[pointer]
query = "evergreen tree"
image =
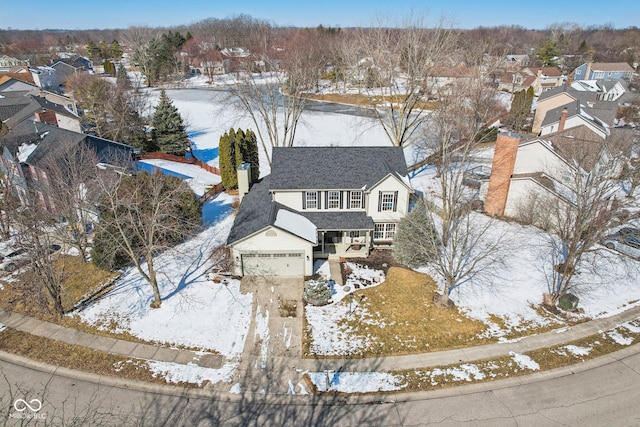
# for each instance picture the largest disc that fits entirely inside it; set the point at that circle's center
(410, 245)
(252, 154)
(169, 133)
(238, 147)
(226, 158)
(547, 53)
(92, 50)
(115, 51)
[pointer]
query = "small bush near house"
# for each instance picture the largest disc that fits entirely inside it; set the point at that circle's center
(317, 292)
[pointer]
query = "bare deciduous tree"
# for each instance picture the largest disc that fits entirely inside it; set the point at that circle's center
(274, 97)
(140, 216)
(581, 213)
(393, 66)
(461, 249)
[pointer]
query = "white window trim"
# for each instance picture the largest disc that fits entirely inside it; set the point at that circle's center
(387, 232)
(387, 206)
(314, 200)
(331, 200)
(356, 203)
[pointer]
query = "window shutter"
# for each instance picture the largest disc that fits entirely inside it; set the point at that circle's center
(395, 201)
(348, 206)
(304, 200)
(341, 199)
(326, 200)
(379, 201)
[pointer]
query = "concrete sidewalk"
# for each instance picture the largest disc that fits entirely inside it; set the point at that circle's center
(288, 357)
(120, 347)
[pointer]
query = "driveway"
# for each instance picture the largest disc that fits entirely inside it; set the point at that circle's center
(274, 341)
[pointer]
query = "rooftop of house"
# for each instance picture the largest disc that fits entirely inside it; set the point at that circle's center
(601, 118)
(323, 168)
(611, 66)
(49, 139)
(30, 104)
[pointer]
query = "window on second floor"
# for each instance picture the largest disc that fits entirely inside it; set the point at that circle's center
(387, 201)
(356, 200)
(333, 200)
(311, 200)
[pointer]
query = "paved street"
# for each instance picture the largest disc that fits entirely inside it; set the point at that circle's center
(602, 392)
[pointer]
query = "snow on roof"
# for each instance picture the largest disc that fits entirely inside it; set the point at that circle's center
(25, 150)
(296, 224)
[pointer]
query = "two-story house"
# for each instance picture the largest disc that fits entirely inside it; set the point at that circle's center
(603, 70)
(318, 202)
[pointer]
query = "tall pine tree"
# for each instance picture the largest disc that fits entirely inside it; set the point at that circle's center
(169, 132)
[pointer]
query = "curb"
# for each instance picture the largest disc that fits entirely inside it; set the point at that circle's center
(360, 399)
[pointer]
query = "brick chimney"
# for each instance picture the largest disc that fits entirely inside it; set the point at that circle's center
(46, 116)
(504, 160)
(563, 120)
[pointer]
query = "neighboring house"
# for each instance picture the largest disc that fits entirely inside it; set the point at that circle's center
(27, 148)
(541, 79)
(516, 62)
(593, 106)
(607, 89)
(16, 109)
(8, 62)
(44, 77)
(577, 114)
(442, 79)
(67, 67)
(11, 87)
(318, 202)
(603, 70)
(523, 172)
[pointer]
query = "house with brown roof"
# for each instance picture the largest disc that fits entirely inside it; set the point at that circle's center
(541, 79)
(603, 70)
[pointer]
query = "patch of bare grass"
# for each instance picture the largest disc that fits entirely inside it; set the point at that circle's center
(363, 100)
(75, 357)
(401, 317)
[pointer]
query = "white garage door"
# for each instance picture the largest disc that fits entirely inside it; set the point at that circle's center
(272, 264)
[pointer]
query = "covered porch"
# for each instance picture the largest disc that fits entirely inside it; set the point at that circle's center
(344, 243)
(340, 233)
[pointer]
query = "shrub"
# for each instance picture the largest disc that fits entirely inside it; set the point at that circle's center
(317, 292)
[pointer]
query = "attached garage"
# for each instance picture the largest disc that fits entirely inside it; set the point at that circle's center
(273, 264)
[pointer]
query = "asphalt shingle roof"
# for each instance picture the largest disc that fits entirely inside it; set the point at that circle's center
(323, 168)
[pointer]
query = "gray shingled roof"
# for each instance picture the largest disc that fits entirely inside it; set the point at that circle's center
(574, 109)
(318, 168)
(258, 211)
(582, 96)
(323, 168)
(339, 220)
(255, 213)
(54, 138)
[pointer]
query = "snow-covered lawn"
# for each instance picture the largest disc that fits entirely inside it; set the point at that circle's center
(195, 311)
(198, 179)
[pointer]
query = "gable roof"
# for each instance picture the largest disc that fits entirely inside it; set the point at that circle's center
(30, 105)
(324, 168)
(611, 66)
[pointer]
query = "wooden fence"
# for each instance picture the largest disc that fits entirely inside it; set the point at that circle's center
(218, 188)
